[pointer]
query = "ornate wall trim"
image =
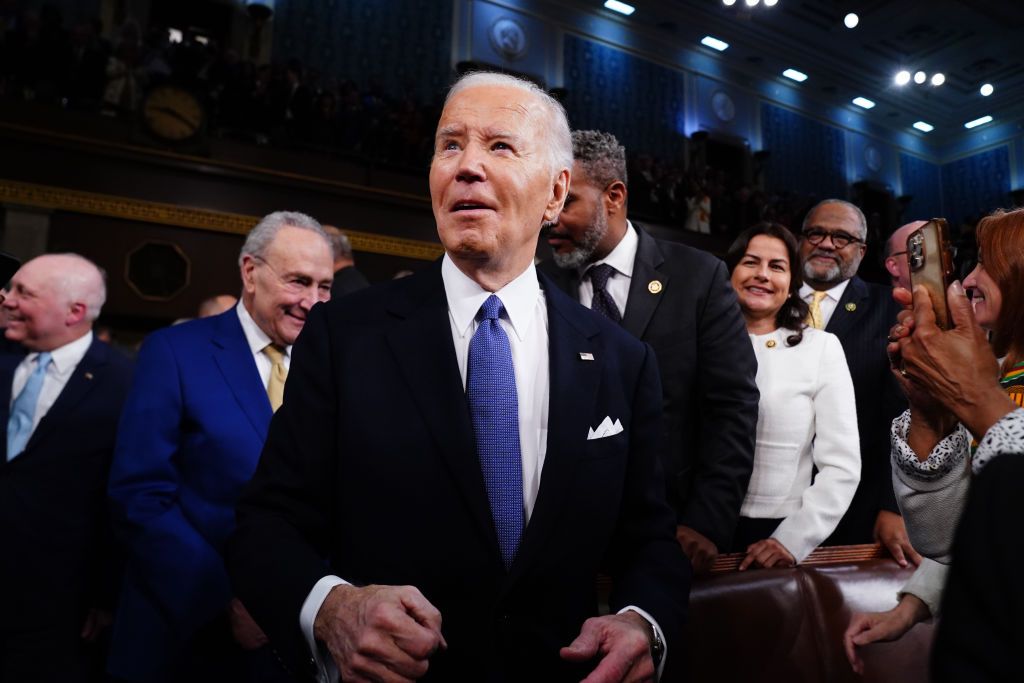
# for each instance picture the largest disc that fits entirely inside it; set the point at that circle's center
(77, 201)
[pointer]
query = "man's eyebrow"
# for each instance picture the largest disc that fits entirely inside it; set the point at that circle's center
(449, 130)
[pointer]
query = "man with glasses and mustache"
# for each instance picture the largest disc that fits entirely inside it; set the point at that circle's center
(832, 244)
(191, 433)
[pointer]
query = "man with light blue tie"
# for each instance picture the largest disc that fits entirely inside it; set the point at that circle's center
(63, 400)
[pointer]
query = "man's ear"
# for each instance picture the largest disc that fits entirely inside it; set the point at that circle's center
(76, 311)
(248, 273)
(615, 198)
(559, 190)
(890, 265)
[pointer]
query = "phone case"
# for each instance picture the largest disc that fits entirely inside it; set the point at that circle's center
(930, 255)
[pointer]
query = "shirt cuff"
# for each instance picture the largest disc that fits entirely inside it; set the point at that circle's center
(657, 631)
(326, 671)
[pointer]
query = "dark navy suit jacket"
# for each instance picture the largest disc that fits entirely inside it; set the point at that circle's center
(370, 472)
(190, 436)
(56, 558)
(694, 323)
(862, 320)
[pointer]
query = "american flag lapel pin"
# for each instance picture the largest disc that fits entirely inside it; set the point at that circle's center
(585, 355)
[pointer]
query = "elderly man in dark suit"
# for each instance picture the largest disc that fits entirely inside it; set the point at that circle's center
(61, 404)
(679, 300)
(462, 451)
(832, 244)
(193, 427)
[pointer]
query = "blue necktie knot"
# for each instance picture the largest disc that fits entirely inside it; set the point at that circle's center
(23, 410)
(494, 409)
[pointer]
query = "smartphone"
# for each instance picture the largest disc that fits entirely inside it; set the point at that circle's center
(930, 255)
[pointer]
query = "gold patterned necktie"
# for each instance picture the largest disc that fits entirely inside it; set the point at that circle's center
(278, 375)
(814, 318)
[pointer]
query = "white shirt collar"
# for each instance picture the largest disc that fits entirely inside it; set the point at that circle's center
(835, 293)
(256, 337)
(620, 258)
(465, 297)
(68, 356)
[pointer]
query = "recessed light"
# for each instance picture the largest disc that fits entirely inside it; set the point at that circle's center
(938, 79)
(903, 77)
(978, 122)
(851, 20)
(920, 77)
(714, 43)
(863, 102)
(798, 76)
(728, 3)
(771, 3)
(924, 127)
(751, 3)
(986, 90)
(620, 7)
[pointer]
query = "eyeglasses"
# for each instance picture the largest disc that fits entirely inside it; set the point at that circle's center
(839, 238)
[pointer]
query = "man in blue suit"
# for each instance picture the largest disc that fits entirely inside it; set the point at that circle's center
(462, 451)
(59, 407)
(192, 430)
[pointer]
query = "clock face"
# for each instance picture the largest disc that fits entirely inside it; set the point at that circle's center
(173, 113)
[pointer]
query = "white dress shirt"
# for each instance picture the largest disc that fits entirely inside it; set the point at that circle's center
(65, 359)
(258, 341)
(621, 259)
(526, 324)
(829, 303)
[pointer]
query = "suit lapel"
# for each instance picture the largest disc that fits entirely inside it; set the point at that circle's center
(424, 352)
(80, 384)
(233, 357)
(574, 385)
(643, 299)
(849, 310)
(8, 363)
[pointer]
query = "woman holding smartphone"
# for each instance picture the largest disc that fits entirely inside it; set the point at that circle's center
(805, 418)
(957, 391)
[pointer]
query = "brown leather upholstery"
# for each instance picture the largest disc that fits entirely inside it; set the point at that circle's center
(787, 624)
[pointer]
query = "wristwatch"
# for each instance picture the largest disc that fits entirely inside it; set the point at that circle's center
(657, 646)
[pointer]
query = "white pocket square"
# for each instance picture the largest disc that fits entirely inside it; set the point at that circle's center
(606, 428)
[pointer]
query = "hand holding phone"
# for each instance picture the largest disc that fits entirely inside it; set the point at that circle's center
(930, 256)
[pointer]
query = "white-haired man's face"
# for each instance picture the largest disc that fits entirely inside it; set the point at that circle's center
(491, 182)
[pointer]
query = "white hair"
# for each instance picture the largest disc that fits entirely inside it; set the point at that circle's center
(260, 237)
(78, 279)
(556, 128)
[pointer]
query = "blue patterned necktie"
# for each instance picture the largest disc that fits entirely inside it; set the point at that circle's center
(23, 410)
(602, 301)
(494, 405)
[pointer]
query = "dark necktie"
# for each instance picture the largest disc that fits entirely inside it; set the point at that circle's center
(602, 301)
(23, 410)
(494, 405)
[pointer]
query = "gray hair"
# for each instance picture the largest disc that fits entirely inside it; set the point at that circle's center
(260, 237)
(556, 128)
(862, 222)
(79, 279)
(601, 157)
(341, 248)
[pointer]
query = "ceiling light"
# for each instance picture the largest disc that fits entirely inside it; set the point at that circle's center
(978, 122)
(903, 77)
(924, 127)
(863, 102)
(938, 79)
(798, 76)
(851, 20)
(771, 3)
(714, 43)
(620, 7)
(728, 3)
(751, 3)
(986, 90)
(920, 77)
